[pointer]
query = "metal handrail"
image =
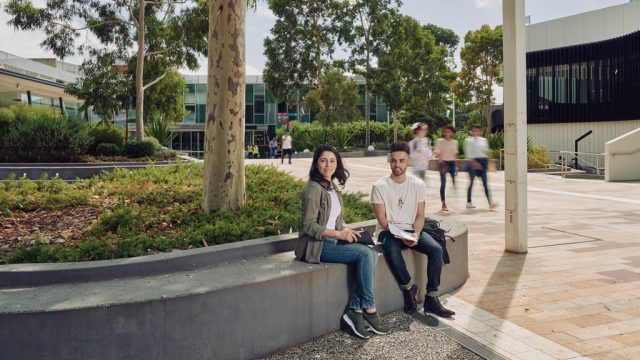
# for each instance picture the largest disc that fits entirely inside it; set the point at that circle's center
(582, 156)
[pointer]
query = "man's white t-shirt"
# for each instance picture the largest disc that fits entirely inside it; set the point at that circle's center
(475, 147)
(400, 200)
(286, 142)
(335, 210)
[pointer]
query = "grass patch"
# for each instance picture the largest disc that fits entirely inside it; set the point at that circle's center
(158, 209)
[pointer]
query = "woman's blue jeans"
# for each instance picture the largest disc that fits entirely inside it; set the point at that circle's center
(365, 260)
(426, 245)
(447, 167)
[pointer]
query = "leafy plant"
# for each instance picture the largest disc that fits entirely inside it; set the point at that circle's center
(107, 149)
(42, 135)
(342, 137)
(138, 149)
(159, 209)
(105, 133)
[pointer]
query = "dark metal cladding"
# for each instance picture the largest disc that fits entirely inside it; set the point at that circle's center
(597, 81)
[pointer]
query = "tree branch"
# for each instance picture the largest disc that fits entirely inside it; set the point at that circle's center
(151, 53)
(155, 81)
(135, 19)
(112, 21)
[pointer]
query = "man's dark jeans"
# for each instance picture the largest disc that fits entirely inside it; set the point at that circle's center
(426, 245)
(482, 172)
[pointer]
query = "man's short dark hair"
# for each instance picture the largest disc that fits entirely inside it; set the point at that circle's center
(450, 127)
(400, 146)
(476, 126)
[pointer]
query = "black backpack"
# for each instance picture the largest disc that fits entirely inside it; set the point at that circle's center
(432, 227)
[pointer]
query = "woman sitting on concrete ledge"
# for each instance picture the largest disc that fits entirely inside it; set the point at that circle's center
(323, 238)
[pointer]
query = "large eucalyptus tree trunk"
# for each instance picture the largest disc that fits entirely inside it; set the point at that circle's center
(224, 131)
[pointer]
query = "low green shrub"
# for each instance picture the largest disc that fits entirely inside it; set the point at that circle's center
(159, 209)
(156, 144)
(41, 135)
(107, 149)
(137, 149)
(105, 133)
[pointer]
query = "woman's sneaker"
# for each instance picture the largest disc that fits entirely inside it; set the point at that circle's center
(376, 323)
(356, 322)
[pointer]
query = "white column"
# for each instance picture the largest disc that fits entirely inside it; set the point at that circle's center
(515, 125)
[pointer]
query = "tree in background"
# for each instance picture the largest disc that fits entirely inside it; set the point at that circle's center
(103, 87)
(412, 73)
(302, 42)
(335, 98)
(158, 28)
(370, 19)
(165, 106)
(481, 58)
(444, 36)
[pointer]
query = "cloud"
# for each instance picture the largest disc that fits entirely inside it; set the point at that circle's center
(486, 4)
(250, 70)
(264, 12)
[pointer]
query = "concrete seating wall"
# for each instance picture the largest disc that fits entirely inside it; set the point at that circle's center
(234, 309)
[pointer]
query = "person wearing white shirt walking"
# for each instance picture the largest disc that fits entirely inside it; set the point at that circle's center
(476, 149)
(287, 148)
(420, 149)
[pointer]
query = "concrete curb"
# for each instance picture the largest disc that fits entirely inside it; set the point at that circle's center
(14, 275)
(231, 310)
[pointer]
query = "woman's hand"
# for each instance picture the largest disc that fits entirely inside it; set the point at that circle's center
(348, 235)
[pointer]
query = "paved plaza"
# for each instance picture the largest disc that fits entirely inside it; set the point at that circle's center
(575, 295)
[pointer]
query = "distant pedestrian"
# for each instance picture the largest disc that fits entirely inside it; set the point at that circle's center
(476, 150)
(420, 149)
(273, 147)
(287, 146)
(447, 151)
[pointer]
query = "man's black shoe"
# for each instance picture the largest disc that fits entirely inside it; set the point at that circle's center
(411, 299)
(432, 304)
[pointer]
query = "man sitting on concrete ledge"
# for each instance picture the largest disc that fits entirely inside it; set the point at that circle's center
(398, 200)
(323, 238)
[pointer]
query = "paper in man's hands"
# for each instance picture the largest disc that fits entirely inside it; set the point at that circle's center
(401, 234)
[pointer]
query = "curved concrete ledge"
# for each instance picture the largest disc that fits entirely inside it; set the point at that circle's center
(233, 309)
(70, 171)
(16, 275)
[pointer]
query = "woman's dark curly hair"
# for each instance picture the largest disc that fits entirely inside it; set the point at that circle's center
(341, 173)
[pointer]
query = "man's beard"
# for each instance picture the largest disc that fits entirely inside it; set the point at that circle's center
(398, 171)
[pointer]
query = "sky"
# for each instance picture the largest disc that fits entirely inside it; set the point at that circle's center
(458, 15)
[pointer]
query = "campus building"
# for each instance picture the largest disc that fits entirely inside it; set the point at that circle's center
(583, 74)
(263, 113)
(38, 82)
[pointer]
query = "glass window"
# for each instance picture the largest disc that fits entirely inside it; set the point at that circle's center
(175, 143)
(248, 95)
(190, 118)
(258, 88)
(259, 104)
(185, 140)
(191, 88)
(202, 113)
(201, 88)
(248, 114)
(259, 119)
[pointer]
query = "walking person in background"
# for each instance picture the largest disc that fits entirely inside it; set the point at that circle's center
(447, 151)
(273, 147)
(287, 148)
(476, 150)
(420, 150)
(323, 238)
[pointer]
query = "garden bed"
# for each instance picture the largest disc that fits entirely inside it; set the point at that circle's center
(155, 209)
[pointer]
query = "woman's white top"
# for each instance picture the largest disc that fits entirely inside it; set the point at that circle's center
(420, 153)
(335, 210)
